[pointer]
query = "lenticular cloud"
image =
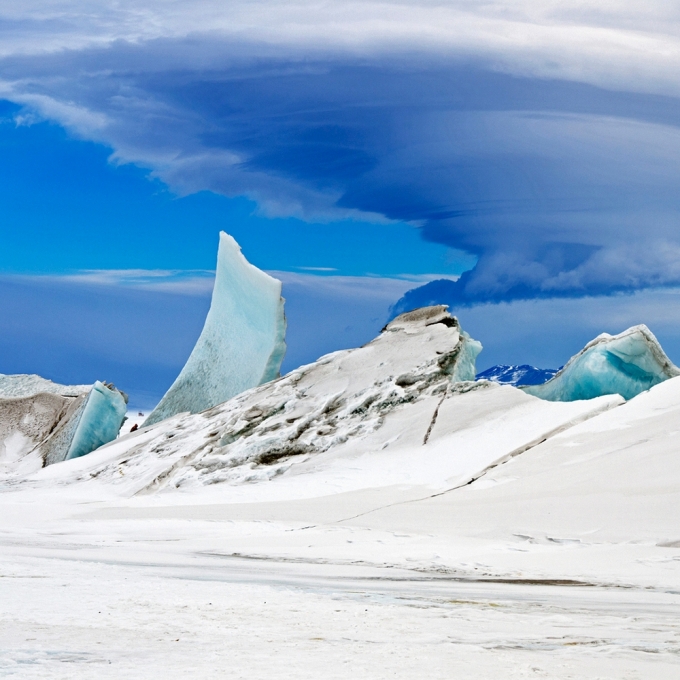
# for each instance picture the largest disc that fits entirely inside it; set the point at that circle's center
(545, 145)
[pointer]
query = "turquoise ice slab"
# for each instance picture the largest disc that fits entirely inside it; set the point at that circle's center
(242, 343)
(625, 364)
(100, 420)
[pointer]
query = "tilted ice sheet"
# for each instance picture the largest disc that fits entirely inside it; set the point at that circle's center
(242, 343)
(625, 364)
(99, 422)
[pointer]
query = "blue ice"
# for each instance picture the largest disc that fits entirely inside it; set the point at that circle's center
(100, 420)
(464, 368)
(242, 343)
(625, 364)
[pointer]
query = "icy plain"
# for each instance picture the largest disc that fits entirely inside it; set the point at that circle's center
(364, 516)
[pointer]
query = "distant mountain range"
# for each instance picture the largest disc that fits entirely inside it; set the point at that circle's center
(517, 375)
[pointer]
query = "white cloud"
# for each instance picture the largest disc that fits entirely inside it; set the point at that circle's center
(177, 282)
(236, 97)
(611, 44)
(200, 282)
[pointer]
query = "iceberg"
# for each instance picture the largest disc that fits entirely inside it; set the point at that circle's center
(242, 343)
(51, 423)
(625, 364)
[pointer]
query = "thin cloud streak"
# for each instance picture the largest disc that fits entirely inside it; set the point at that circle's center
(177, 282)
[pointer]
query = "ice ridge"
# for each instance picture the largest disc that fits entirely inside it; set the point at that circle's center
(42, 423)
(398, 380)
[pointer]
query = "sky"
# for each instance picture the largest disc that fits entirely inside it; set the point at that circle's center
(518, 161)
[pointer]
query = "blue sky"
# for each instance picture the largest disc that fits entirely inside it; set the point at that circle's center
(65, 207)
(368, 152)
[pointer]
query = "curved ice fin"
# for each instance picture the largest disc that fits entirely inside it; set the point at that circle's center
(242, 343)
(625, 364)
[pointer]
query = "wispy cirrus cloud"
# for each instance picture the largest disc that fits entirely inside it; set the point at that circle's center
(178, 282)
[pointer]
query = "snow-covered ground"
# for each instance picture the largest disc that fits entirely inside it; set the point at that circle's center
(411, 529)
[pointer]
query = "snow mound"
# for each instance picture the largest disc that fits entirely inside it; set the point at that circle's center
(242, 343)
(517, 375)
(403, 409)
(625, 364)
(341, 397)
(25, 385)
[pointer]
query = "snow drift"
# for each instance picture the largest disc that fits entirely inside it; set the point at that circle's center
(403, 409)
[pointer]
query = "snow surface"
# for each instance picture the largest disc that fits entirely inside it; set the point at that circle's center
(26, 385)
(242, 343)
(624, 364)
(517, 375)
(425, 528)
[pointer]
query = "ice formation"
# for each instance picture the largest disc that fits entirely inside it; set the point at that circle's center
(100, 420)
(517, 375)
(530, 528)
(42, 422)
(242, 343)
(343, 397)
(625, 364)
(403, 409)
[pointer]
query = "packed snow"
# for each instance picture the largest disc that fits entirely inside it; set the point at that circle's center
(375, 514)
(23, 385)
(242, 343)
(410, 387)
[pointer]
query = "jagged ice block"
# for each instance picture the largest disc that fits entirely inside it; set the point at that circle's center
(100, 420)
(42, 422)
(242, 343)
(625, 364)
